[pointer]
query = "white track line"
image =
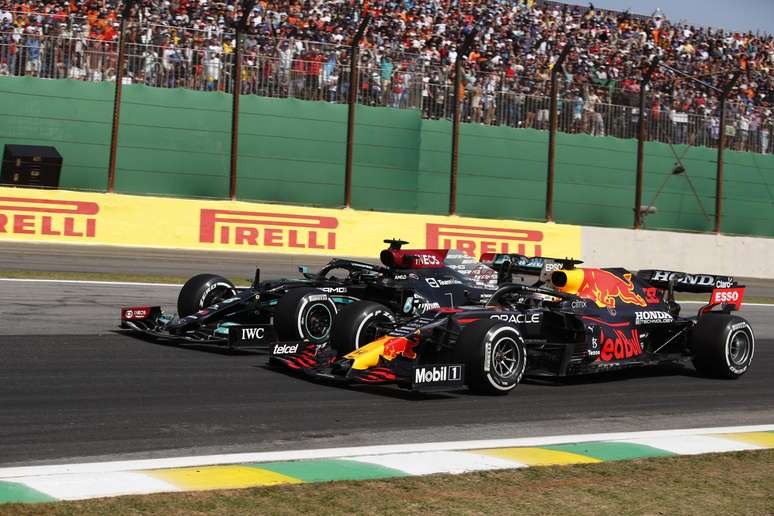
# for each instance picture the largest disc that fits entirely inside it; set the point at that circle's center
(428, 463)
(94, 485)
(94, 282)
(334, 453)
(695, 445)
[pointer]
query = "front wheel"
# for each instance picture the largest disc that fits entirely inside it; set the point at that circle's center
(723, 345)
(201, 291)
(304, 314)
(494, 356)
(359, 323)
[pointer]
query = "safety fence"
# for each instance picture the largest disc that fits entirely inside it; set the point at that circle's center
(314, 71)
(177, 143)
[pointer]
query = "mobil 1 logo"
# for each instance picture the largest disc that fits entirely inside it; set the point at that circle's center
(251, 336)
(430, 377)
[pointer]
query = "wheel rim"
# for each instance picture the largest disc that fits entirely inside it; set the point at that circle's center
(216, 296)
(739, 348)
(318, 321)
(370, 331)
(505, 357)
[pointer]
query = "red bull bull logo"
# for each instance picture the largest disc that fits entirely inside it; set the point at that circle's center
(604, 288)
(395, 346)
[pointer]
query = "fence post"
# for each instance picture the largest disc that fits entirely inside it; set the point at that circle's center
(721, 148)
(354, 86)
(117, 97)
(236, 86)
(641, 144)
(462, 50)
(236, 81)
(552, 122)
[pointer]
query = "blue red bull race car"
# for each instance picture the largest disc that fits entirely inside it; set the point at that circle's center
(572, 321)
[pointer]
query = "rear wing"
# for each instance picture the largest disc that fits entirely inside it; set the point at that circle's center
(684, 282)
(509, 264)
(724, 291)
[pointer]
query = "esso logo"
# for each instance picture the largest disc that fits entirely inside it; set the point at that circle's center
(726, 296)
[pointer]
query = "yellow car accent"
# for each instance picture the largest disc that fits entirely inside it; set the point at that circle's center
(368, 355)
(574, 281)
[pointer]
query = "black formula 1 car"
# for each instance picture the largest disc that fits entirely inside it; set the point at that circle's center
(213, 312)
(580, 321)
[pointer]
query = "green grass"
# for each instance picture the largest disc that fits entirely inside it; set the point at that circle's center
(731, 483)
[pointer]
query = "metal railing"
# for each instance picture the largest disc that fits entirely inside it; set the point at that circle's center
(405, 84)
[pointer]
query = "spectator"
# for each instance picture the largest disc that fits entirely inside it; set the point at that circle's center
(409, 52)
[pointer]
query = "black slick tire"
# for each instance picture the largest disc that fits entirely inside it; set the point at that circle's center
(494, 356)
(723, 346)
(359, 323)
(201, 291)
(304, 314)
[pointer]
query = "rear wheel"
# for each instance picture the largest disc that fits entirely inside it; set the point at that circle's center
(359, 323)
(201, 291)
(723, 346)
(494, 356)
(304, 314)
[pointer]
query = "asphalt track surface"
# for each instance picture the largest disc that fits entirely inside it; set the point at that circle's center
(74, 389)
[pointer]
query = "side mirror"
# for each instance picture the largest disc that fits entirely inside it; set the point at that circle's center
(303, 269)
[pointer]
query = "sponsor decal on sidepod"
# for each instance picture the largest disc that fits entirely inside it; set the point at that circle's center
(619, 346)
(652, 317)
(533, 318)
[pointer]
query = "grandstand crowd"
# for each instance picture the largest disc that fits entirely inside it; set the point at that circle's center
(298, 48)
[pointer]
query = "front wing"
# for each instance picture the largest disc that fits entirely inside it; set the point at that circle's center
(150, 322)
(321, 362)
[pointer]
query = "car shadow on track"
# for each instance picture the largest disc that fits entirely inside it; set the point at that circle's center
(393, 391)
(196, 347)
(633, 373)
(390, 391)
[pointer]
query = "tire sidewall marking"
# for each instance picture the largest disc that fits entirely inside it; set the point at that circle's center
(300, 312)
(490, 338)
(368, 317)
(209, 289)
(727, 354)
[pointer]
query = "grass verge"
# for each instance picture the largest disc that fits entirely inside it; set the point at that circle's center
(730, 483)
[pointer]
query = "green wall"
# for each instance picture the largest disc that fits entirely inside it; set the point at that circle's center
(73, 117)
(176, 142)
(173, 141)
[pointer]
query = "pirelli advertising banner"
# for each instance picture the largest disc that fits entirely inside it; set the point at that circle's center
(62, 216)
